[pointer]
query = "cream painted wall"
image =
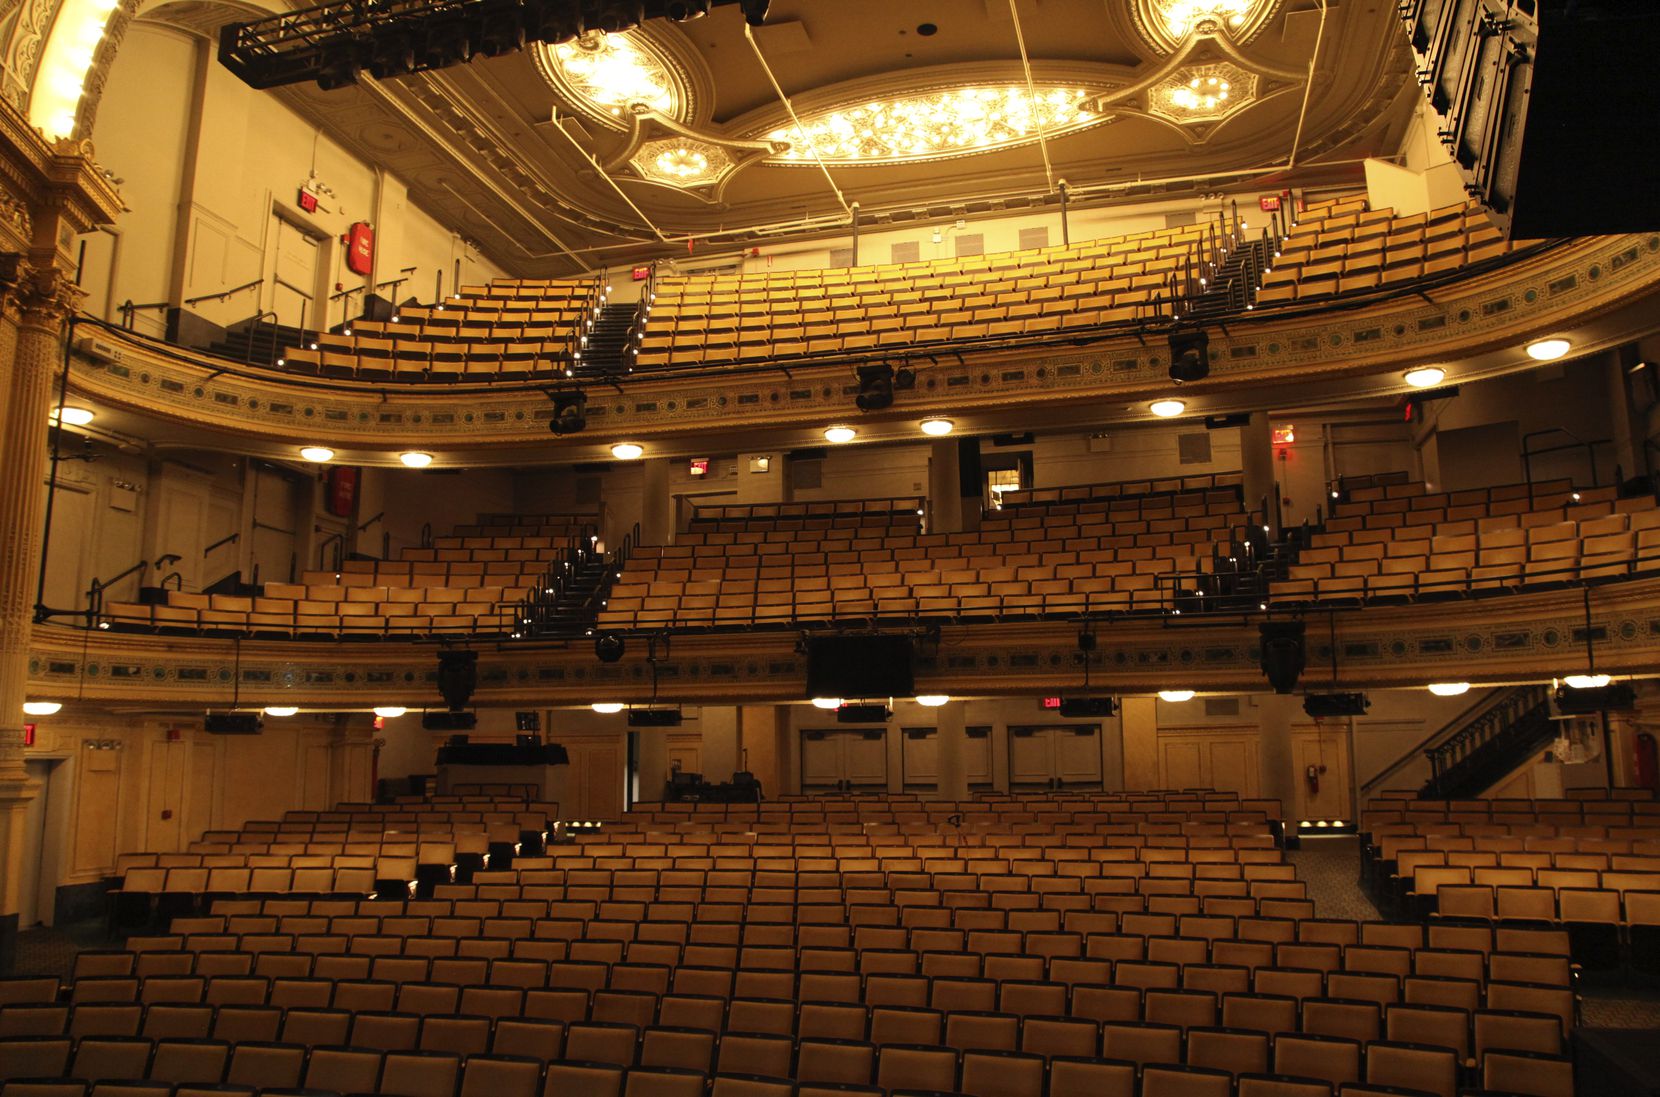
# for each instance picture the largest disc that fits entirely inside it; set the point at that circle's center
(208, 162)
(133, 788)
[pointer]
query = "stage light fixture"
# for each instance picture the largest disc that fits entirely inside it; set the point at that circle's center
(609, 648)
(392, 54)
(555, 21)
(755, 11)
(457, 677)
(340, 70)
(616, 16)
(1283, 655)
(875, 387)
(1189, 356)
(570, 412)
(680, 11)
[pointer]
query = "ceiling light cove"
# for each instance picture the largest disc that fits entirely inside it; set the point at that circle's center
(681, 162)
(935, 125)
(612, 76)
(1166, 24)
(1203, 93)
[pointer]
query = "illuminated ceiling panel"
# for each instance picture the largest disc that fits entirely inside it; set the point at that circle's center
(1167, 23)
(935, 125)
(614, 75)
(1203, 93)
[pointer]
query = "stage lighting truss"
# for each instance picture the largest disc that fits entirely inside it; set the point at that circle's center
(334, 43)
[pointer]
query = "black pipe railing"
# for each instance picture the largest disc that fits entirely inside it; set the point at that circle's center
(220, 295)
(1513, 711)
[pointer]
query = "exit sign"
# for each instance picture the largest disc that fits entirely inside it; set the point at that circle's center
(1269, 203)
(28, 735)
(1051, 703)
(308, 201)
(640, 274)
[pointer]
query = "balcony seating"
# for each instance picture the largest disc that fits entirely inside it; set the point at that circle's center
(510, 330)
(1343, 248)
(471, 583)
(1400, 542)
(783, 564)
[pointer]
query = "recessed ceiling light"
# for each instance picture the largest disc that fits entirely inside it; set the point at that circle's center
(1176, 695)
(318, 454)
(1548, 350)
(72, 416)
(1167, 409)
(607, 708)
(938, 428)
(280, 710)
(41, 708)
(628, 451)
(1449, 689)
(1425, 376)
(390, 712)
(840, 434)
(827, 702)
(414, 459)
(932, 700)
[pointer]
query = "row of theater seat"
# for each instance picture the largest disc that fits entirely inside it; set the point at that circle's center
(469, 583)
(1358, 252)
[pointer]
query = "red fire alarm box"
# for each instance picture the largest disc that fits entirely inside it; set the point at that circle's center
(308, 201)
(342, 495)
(360, 248)
(28, 735)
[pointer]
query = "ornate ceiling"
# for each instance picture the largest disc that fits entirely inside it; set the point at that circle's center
(608, 151)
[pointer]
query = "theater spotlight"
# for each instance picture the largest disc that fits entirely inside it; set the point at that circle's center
(1189, 356)
(681, 10)
(457, 677)
(755, 11)
(570, 412)
(1283, 656)
(554, 21)
(616, 16)
(875, 387)
(340, 69)
(392, 55)
(609, 648)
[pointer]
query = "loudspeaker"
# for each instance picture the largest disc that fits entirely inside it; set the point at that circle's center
(1283, 656)
(231, 723)
(1529, 108)
(970, 477)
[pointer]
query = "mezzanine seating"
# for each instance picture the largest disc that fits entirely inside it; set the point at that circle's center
(1398, 541)
(1121, 552)
(473, 583)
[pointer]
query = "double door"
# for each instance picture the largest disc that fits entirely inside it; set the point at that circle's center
(1067, 756)
(844, 758)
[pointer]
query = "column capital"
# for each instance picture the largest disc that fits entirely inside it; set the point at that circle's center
(46, 295)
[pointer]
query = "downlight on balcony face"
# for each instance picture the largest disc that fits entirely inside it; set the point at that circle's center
(1548, 350)
(1449, 689)
(1167, 409)
(415, 459)
(1425, 377)
(317, 455)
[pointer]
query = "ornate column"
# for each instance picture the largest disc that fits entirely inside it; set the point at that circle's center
(38, 302)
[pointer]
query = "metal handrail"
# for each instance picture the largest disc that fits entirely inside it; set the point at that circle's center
(222, 294)
(1445, 731)
(1504, 717)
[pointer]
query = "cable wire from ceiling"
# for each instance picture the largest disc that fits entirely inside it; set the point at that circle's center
(605, 175)
(1308, 86)
(1031, 96)
(749, 36)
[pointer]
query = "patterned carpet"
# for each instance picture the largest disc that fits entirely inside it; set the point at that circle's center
(1330, 867)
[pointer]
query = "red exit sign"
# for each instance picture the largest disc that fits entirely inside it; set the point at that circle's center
(308, 201)
(1269, 203)
(1051, 703)
(640, 274)
(28, 735)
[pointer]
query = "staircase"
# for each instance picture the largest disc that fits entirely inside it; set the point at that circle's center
(1233, 286)
(607, 349)
(574, 602)
(1490, 746)
(258, 343)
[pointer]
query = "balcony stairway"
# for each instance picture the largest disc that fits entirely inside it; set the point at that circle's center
(1489, 747)
(607, 351)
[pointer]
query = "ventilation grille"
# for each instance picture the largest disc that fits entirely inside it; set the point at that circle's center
(1037, 237)
(969, 244)
(841, 257)
(1194, 449)
(910, 251)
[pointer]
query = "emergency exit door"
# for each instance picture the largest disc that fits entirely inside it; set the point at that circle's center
(1055, 757)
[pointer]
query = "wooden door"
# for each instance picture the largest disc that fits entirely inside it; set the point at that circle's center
(1328, 797)
(294, 283)
(832, 758)
(1041, 757)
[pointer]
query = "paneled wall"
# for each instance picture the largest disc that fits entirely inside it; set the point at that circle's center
(212, 169)
(155, 783)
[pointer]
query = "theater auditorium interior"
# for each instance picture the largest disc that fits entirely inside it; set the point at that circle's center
(829, 548)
